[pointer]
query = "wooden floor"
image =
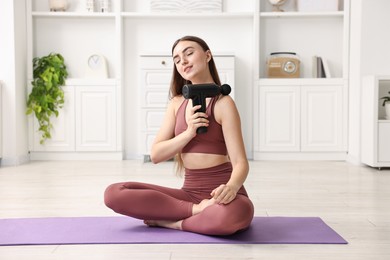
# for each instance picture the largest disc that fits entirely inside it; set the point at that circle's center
(353, 200)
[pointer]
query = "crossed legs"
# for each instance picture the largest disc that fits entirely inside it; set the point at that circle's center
(175, 208)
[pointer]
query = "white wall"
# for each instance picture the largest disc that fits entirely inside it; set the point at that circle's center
(369, 54)
(13, 74)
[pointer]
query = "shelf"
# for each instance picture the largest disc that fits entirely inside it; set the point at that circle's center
(300, 81)
(142, 15)
(73, 14)
(91, 82)
(187, 15)
(301, 14)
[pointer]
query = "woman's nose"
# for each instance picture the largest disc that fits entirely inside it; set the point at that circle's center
(184, 61)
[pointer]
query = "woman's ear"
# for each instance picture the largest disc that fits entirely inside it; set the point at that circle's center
(208, 55)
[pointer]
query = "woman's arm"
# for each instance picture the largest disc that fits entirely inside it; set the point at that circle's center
(227, 114)
(166, 145)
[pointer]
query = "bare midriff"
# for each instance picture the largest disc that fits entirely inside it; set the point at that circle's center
(202, 160)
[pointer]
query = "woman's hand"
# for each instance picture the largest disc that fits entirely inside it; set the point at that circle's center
(224, 194)
(196, 120)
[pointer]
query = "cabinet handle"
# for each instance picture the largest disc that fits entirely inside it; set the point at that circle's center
(163, 62)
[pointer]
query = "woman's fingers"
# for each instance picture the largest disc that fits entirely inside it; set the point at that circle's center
(197, 119)
(223, 194)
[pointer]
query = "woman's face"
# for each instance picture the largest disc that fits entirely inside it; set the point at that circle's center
(191, 61)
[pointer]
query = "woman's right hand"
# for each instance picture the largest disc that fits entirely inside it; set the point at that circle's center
(196, 120)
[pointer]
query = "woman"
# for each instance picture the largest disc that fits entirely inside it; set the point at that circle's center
(213, 199)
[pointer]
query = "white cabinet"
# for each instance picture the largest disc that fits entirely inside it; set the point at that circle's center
(322, 117)
(384, 142)
(87, 124)
(155, 77)
(305, 117)
(375, 129)
(279, 119)
(299, 119)
(95, 118)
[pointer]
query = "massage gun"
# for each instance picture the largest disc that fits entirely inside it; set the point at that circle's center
(199, 92)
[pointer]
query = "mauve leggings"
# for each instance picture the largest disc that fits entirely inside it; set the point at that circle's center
(152, 202)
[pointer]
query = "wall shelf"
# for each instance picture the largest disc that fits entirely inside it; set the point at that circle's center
(73, 14)
(302, 81)
(301, 14)
(187, 15)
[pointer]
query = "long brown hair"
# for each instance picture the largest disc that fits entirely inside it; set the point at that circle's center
(177, 82)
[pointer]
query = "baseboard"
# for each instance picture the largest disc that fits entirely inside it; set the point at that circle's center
(300, 156)
(15, 161)
(354, 160)
(76, 156)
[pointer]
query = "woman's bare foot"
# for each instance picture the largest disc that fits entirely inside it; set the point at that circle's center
(164, 223)
(197, 208)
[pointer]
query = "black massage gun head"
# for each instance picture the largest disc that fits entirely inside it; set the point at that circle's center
(205, 90)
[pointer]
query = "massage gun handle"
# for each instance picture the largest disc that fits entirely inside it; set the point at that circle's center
(200, 101)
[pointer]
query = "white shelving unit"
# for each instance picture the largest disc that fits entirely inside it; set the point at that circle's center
(375, 128)
(90, 124)
(305, 117)
(253, 31)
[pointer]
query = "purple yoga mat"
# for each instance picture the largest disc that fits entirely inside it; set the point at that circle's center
(125, 230)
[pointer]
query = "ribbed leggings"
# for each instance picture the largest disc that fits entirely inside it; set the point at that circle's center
(153, 202)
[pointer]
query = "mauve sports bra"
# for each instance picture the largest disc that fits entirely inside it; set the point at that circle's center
(211, 142)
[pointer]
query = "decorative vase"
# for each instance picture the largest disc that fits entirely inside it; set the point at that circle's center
(58, 5)
(387, 109)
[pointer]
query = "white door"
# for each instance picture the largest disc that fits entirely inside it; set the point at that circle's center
(279, 123)
(95, 118)
(63, 131)
(321, 118)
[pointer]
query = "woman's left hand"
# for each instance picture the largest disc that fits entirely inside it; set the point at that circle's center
(224, 194)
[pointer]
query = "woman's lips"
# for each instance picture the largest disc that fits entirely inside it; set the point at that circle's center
(186, 69)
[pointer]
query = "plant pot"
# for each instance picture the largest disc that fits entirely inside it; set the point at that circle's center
(387, 109)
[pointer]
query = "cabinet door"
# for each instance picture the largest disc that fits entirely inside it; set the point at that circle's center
(384, 141)
(95, 118)
(279, 118)
(63, 131)
(322, 118)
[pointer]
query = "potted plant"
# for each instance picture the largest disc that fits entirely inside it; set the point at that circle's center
(47, 96)
(386, 104)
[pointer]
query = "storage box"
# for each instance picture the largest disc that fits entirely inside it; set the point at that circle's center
(317, 5)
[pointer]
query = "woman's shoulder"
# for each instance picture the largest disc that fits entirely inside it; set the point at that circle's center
(224, 101)
(176, 102)
(224, 107)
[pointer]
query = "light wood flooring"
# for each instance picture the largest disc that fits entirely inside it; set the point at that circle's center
(353, 200)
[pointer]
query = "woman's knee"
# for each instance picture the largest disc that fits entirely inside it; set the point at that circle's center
(111, 195)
